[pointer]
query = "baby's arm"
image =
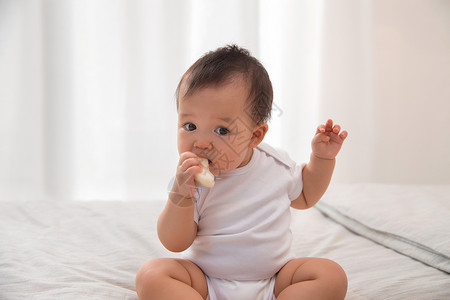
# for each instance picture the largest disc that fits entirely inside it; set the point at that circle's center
(317, 173)
(176, 226)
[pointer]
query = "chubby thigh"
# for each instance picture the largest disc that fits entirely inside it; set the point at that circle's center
(311, 278)
(171, 278)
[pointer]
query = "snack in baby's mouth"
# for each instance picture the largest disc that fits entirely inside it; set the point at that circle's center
(206, 178)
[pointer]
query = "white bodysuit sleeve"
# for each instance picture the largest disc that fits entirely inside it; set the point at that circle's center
(297, 181)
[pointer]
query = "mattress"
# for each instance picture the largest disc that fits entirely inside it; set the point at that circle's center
(393, 241)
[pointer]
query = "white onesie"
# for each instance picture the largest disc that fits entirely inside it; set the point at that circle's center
(244, 220)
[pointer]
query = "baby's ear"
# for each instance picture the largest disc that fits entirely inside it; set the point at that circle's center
(258, 134)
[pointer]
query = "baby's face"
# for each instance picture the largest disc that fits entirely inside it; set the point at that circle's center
(213, 123)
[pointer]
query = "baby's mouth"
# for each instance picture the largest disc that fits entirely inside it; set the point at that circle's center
(210, 162)
(213, 168)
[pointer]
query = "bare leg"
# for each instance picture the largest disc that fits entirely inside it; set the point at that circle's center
(311, 278)
(169, 278)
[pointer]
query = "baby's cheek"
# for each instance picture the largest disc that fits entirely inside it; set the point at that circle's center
(217, 168)
(220, 166)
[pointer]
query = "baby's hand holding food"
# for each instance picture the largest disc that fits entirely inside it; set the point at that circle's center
(184, 186)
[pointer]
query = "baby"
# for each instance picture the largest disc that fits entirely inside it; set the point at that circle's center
(236, 232)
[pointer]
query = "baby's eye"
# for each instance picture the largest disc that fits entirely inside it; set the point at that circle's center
(190, 126)
(222, 131)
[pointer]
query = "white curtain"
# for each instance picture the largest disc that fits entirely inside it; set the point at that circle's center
(87, 87)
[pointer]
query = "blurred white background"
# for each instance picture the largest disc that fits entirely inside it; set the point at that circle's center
(87, 88)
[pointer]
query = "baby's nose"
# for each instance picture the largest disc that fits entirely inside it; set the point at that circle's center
(203, 143)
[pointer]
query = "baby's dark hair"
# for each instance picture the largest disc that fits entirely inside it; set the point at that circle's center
(221, 65)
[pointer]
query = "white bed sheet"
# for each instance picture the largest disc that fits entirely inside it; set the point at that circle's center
(413, 220)
(374, 271)
(92, 250)
(75, 250)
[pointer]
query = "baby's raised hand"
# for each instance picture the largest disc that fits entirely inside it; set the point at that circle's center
(328, 140)
(184, 186)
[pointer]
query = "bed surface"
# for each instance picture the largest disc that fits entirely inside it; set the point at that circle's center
(392, 241)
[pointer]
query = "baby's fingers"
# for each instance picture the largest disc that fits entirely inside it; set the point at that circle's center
(189, 163)
(321, 129)
(327, 127)
(190, 166)
(343, 135)
(339, 137)
(336, 129)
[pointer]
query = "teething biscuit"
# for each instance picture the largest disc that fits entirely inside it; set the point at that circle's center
(206, 178)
